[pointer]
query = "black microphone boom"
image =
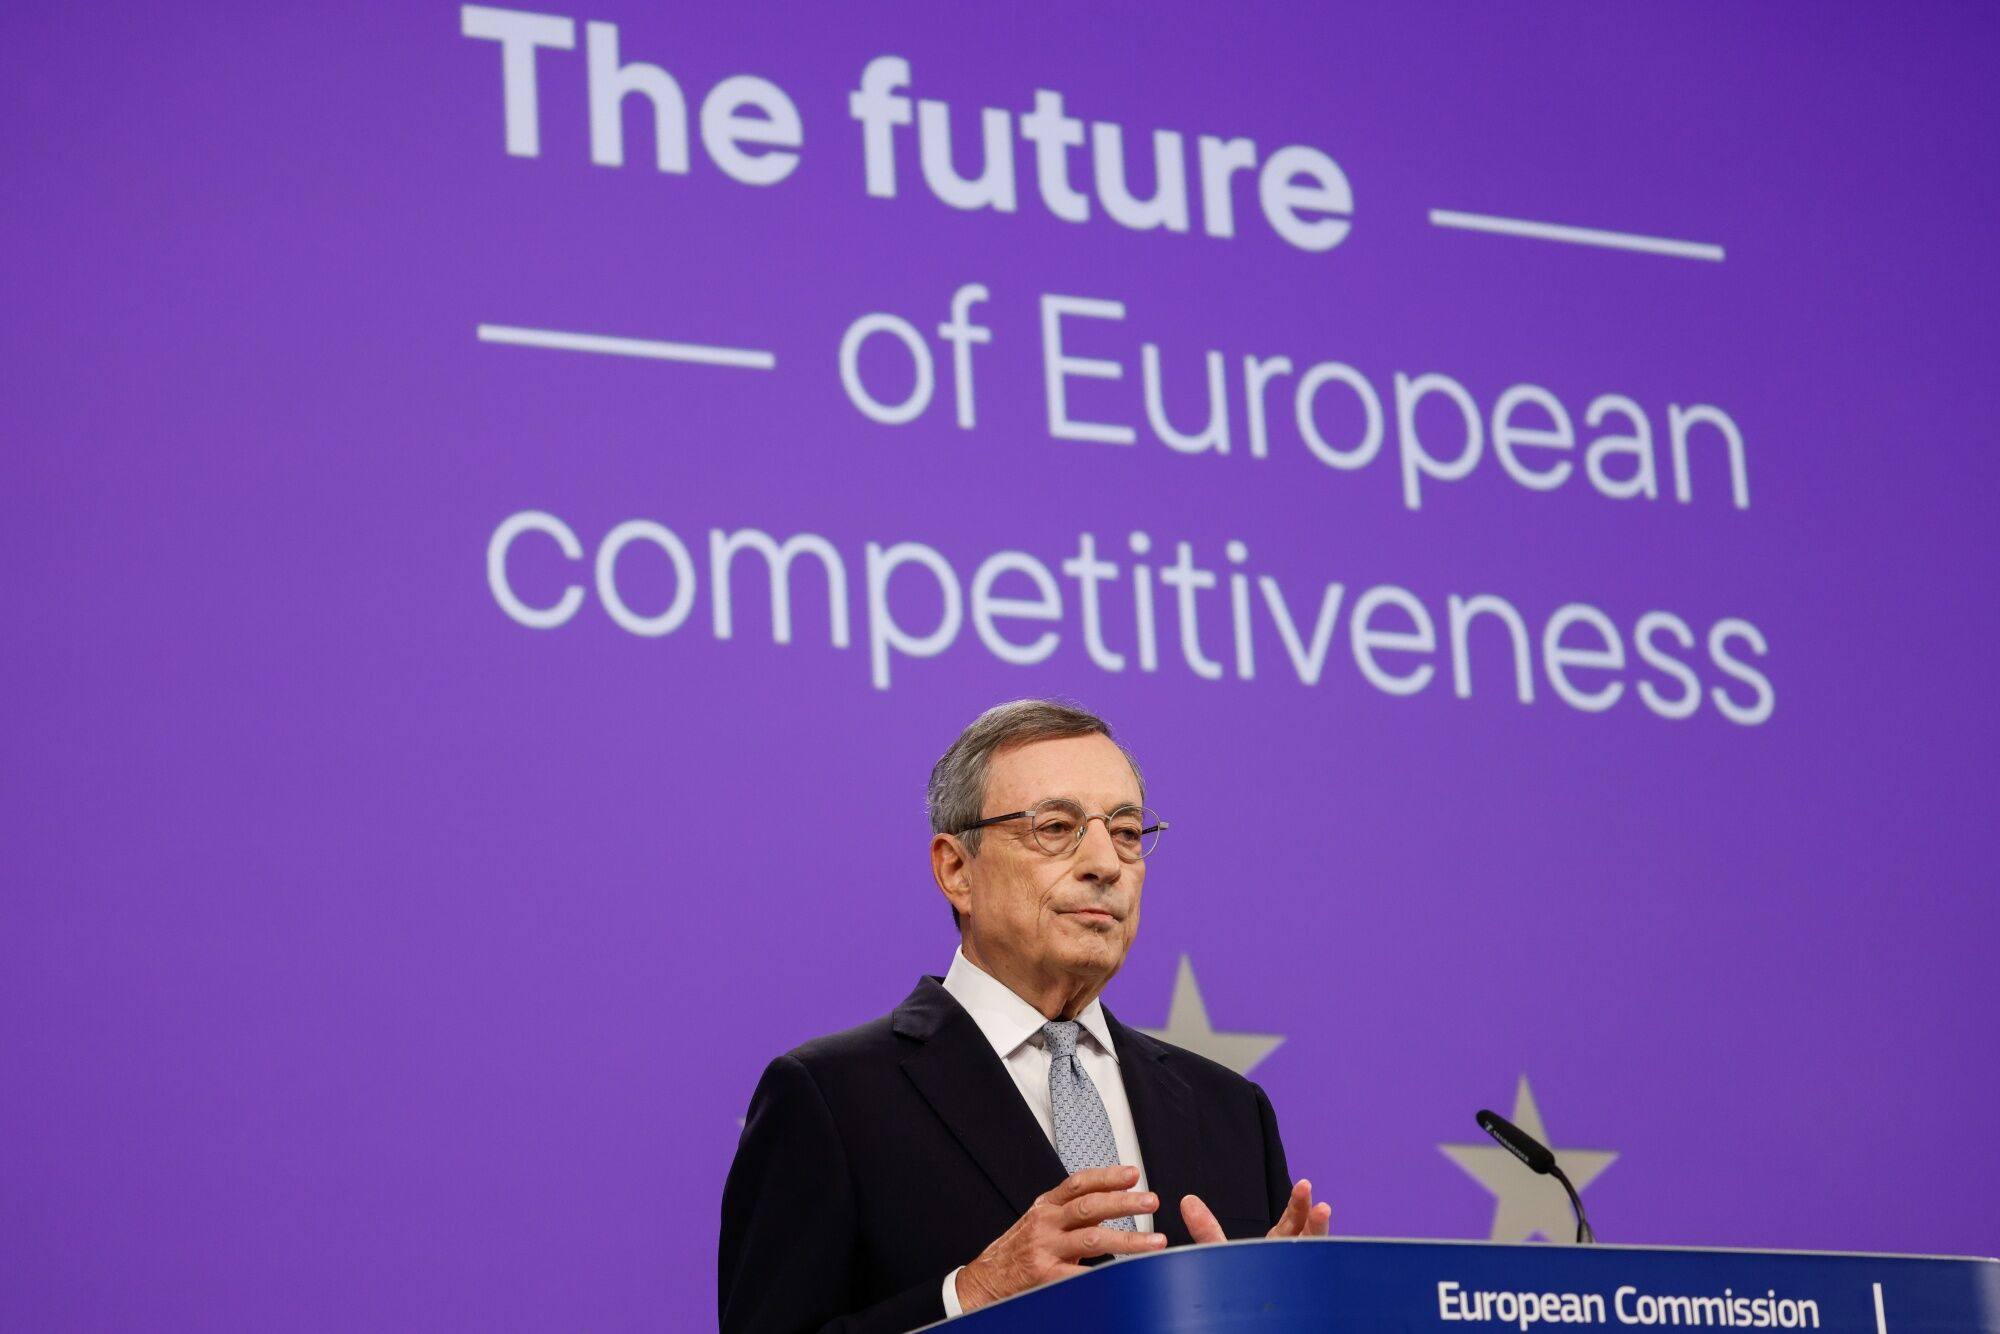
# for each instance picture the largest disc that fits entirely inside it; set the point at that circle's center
(1538, 1159)
(1517, 1142)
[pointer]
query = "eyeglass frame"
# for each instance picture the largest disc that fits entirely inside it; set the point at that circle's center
(1082, 826)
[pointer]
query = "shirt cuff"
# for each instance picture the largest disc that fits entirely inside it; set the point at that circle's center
(952, 1310)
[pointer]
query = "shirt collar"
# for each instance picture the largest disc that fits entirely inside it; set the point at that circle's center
(1006, 1019)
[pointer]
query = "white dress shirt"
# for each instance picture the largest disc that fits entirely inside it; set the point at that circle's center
(1014, 1028)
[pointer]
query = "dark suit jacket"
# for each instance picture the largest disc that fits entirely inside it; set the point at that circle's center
(876, 1161)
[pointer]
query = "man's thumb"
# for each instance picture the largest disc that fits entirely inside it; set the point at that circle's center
(1201, 1224)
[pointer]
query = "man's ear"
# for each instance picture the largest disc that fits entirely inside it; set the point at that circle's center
(949, 868)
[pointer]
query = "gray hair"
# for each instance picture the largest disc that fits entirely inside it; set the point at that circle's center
(957, 788)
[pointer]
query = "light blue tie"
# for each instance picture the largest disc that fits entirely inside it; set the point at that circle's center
(1083, 1131)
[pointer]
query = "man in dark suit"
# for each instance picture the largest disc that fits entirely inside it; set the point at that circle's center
(999, 1128)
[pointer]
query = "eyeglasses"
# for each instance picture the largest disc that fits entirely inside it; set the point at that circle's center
(1057, 827)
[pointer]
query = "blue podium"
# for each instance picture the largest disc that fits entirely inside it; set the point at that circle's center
(1433, 1287)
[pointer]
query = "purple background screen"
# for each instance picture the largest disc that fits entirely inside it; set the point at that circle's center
(375, 956)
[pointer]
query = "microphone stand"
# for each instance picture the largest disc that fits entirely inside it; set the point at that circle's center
(1537, 1158)
(1584, 1234)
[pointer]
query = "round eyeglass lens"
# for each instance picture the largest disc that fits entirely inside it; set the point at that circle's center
(1058, 827)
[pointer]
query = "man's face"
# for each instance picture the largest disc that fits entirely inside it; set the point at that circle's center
(1033, 916)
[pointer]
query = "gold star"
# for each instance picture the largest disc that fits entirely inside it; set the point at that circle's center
(1188, 1026)
(1527, 1205)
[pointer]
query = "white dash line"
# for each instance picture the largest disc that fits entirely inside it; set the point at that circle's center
(1556, 231)
(747, 357)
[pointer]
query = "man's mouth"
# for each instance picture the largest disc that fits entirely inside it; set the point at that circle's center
(1100, 914)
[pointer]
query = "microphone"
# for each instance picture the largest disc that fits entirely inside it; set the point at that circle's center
(1538, 1159)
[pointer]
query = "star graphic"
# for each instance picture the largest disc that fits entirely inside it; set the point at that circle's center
(1526, 1204)
(1188, 1026)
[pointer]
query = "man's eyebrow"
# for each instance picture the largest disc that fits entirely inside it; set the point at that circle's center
(1111, 809)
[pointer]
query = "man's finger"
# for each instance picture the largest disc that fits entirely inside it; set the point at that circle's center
(1201, 1224)
(1293, 1220)
(1319, 1220)
(1100, 1205)
(1093, 1179)
(1088, 1241)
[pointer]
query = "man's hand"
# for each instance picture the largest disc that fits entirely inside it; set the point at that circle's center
(1060, 1229)
(1302, 1218)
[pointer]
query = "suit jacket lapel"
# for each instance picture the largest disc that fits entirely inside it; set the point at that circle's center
(966, 1085)
(1163, 1112)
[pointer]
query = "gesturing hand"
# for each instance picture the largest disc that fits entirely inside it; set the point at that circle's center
(1060, 1229)
(1302, 1218)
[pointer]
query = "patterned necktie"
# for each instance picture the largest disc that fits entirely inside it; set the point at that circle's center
(1083, 1131)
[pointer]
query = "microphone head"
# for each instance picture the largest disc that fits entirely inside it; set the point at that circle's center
(1517, 1141)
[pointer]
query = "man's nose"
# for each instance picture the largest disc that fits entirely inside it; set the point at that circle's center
(1097, 858)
